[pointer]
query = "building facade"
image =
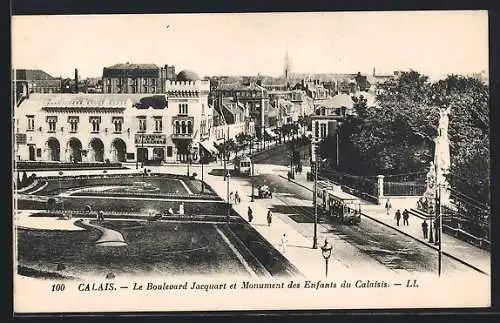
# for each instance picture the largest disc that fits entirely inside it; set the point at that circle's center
(137, 78)
(253, 97)
(115, 127)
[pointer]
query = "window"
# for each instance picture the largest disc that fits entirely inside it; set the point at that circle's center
(158, 124)
(142, 124)
(73, 124)
(31, 123)
(118, 122)
(177, 127)
(145, 89)
(323, 130)
(169, 151)
(202, 108)
(52, 121)
(316, 129)
(153, 89)
(183, 108)
(189, 127)
(183, 126)
(96, 124)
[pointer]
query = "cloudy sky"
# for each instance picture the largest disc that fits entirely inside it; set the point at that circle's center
(433, 43)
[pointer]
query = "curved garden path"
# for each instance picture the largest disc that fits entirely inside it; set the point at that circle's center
(109, 237)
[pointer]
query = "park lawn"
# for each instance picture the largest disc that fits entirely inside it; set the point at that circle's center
(153, 248)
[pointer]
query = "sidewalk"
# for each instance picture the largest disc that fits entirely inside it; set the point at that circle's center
(299, 252)
(454, 247)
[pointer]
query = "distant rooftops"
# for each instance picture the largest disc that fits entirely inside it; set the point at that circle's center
(33, 74)
(128, 66)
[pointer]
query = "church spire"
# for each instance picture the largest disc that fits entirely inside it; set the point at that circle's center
(286, 67)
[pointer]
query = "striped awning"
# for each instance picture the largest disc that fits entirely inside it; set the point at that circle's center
(209, 146)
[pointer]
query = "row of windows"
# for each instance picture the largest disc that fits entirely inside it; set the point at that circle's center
(183, 127)
(96, 122)
(131, 81)
(320, 128)
(133, 89)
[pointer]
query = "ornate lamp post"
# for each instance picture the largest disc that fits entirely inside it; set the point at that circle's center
(326, 251)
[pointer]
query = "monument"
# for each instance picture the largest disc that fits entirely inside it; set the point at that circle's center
(442, 159)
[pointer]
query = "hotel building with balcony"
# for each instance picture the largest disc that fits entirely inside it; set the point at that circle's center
(74, 127)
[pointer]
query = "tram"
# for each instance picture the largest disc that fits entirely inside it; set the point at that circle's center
(339, 205)
(242, 165)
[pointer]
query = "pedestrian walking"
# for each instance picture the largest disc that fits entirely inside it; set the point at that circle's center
(269, 218)
(406, 216)
(231, 196)
(388, 206)
(237, 199)
(250, 214)
(397, 217)
(425, 229)
(284, 242)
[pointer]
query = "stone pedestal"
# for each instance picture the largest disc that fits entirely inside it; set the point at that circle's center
(380, 185)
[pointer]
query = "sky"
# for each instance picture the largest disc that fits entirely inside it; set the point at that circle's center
(434, 43)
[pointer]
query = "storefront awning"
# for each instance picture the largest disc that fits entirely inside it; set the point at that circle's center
(209, 146)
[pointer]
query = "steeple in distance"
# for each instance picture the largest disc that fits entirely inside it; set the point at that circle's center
(286, 67)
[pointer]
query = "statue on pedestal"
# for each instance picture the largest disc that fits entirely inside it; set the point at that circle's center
(442, 158)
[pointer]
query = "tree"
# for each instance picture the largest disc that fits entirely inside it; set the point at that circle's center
(241, 142)
(397, 135)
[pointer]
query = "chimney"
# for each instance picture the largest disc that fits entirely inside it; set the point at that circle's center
(76, 80)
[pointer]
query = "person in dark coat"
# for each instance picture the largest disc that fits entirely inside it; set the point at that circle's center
(397, 217)
(269, 217)
(250, 214)
(425, 229)
(406, 216)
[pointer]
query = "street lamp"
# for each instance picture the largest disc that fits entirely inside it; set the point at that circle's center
(227, 194)
(202, 160)
(315, 238)
(60, 191)
(252, 168)
(188, 158)
(326, 251)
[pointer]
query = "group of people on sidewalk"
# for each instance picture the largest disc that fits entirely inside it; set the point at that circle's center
(269, 216)
(406, 215)
(284, 240)
(234, 197)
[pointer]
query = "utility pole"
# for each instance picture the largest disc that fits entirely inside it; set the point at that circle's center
(252, 170)
(142, 150)
(440, 231)
(315, 198)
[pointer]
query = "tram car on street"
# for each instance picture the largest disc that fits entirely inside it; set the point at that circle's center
(339, 205)
(242, 165)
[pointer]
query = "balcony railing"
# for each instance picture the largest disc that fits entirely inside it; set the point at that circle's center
(182, 135)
